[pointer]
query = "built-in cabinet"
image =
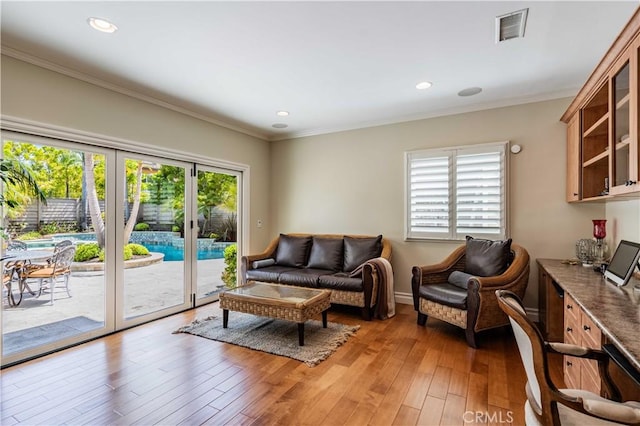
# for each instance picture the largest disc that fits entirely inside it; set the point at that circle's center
(580, 330)
(602, 125)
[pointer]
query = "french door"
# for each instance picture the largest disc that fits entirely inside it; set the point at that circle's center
(218, 194)
(186, 215)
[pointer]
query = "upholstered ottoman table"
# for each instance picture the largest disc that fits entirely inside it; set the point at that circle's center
(296, 304)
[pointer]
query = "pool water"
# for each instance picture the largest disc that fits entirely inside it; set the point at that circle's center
(172, 253)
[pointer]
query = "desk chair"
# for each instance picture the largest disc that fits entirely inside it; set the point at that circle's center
(548, 405)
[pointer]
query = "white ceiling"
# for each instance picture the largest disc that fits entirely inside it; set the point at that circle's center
(333, 65)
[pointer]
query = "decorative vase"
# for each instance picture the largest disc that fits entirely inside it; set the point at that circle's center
(599, 249)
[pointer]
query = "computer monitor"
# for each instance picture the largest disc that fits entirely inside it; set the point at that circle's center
(623, 262)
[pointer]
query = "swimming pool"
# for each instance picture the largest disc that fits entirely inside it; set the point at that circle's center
(173, 253)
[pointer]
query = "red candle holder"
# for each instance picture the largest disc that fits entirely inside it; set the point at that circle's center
(599, 229)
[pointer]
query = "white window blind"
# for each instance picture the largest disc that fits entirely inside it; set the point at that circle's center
(456, 192)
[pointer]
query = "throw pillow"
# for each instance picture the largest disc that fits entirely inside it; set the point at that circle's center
(359, 250)
(292, 251)
(257, 264)
(326, 253)
(487, 258)
(459, 279)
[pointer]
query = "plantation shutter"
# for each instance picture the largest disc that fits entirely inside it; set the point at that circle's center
(430, 195)
(479, 193)
(452, 193)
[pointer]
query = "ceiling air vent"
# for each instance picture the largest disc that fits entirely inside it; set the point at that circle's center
(511, 25)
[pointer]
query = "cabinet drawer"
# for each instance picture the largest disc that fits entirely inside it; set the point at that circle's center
(571, 369)
(589, 376)
(572, 330)
(571, 308)
(591, 334)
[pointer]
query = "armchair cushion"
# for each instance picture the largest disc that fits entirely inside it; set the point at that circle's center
(292, 251)
(359, 250)
(445, 294)
(486, 258)
(459, 279)
(326, 253)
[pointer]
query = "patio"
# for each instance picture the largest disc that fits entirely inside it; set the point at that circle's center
(148, 289)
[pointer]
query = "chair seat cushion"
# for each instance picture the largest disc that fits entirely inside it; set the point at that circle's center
(340, 281)
(445, 294)
(302, 277)
(269, 273)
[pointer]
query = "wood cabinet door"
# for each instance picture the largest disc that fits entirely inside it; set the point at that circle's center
(573, 159)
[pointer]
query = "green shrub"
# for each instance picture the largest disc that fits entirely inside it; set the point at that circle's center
(128, 253)
(230, 270)
(31, 235)
(138, 249)
(141, 227)
(175, 228)
(101, 255)
(214, 236)
(87, 251)
(57, 228)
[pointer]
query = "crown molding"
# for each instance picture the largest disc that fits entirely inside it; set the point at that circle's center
(434, 114)
(43, 63)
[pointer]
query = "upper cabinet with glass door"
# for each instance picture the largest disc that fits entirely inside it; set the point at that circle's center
(606, 109)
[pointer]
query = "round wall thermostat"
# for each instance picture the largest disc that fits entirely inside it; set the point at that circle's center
(516, 149)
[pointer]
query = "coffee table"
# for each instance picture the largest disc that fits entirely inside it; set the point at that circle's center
(296, 304)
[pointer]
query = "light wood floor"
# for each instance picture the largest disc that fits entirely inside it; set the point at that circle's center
(391, 372)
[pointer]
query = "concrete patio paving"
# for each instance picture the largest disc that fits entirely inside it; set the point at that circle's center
(147, 289)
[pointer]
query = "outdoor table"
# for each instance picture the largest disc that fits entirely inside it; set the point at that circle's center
(17, 261)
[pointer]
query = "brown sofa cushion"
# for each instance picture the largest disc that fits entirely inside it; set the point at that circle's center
(292, 251)
(326, 253)
(301, 277)
(268, 273)
(486, 258)
(359, 250)
(340, 281)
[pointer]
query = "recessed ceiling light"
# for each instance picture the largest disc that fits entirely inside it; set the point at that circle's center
(279, 125)
(282, 113)
(423, 85)
(102, 25)
(470, 91)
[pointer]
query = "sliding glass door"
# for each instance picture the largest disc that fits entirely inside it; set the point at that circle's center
(153, 201)
(151, 236)
(42, 311)
(216, 242)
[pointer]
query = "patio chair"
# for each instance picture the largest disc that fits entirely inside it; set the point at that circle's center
(59, 271)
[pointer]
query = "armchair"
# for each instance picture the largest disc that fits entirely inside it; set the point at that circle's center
(548, 405)
(470, 303)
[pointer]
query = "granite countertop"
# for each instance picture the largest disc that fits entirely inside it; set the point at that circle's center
(616, 310)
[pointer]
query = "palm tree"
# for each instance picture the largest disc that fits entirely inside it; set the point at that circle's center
(17, 179)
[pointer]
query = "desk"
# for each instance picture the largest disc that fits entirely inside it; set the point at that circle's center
(17, 260)
(616, 311)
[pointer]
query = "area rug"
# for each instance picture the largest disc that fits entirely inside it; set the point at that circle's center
(273, 336)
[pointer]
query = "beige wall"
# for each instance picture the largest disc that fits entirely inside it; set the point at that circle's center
(33, 93)
(353, 182)
(623, 222)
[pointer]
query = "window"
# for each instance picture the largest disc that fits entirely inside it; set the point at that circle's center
(455, 192)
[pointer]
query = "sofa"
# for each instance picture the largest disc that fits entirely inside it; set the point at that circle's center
(355, 268)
